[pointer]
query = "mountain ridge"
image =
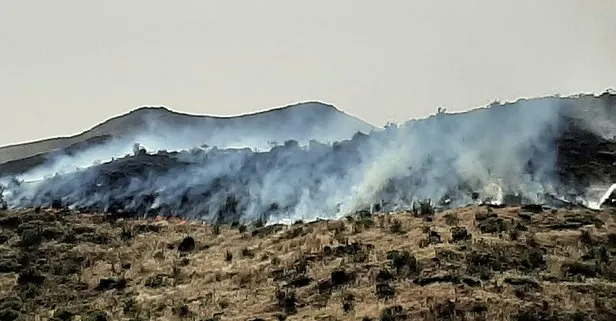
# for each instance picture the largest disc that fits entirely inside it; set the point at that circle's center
(131, 123)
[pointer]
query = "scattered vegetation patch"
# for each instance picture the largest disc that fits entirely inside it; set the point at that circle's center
(403, 263)
(493, 225)
(60, 265)
(459, 234)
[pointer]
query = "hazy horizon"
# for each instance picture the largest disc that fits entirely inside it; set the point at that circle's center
(69, 65)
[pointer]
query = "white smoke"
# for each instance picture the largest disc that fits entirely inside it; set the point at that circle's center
(493, 151)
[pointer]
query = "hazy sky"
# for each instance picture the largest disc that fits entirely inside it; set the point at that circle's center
(67, 65)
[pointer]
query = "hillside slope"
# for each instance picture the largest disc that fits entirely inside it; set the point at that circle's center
(304, 121)
(474, 263)
(537, 151)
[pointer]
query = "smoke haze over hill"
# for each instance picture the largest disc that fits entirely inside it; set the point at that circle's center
(523, 149)
(161, 129)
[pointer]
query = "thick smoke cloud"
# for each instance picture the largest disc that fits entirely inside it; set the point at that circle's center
(494, 152)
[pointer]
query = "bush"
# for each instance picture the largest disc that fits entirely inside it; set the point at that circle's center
(394, 313)
(424, 209)
(384, 290)
(30, 276)
(493, 225)
(347, 302)
(155, 281)
(187, 244)
(248, 253)
(105, 284)
(242, 228)
(62, 315)
(396, 227)
(183, 311)
(446, 310)
(578, 268)
(341, 277)
(287, 301)
(97, 316)
(8, 265)
(9, 314)
(403, 262)
(459, 234)
(31, 237)
(260, 222)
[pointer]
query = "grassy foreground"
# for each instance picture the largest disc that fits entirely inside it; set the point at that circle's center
(473, 263)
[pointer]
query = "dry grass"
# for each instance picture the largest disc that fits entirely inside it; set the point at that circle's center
(510, 265)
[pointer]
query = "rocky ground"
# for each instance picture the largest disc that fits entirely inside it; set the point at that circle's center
(473, 263)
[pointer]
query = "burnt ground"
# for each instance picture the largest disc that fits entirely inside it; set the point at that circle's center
(473, 263)
(583, 159)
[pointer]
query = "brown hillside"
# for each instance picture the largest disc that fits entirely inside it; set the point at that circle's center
(474, 263)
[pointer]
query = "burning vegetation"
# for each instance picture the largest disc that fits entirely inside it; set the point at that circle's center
(546, 151)
(486, 215)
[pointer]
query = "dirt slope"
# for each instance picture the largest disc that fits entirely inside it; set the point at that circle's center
(474, 263)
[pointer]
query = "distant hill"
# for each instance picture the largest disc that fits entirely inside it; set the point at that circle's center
(162, 127)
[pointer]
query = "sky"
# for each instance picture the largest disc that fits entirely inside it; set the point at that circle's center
(68, 65)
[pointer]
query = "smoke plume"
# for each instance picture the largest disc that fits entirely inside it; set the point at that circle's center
(488, 154)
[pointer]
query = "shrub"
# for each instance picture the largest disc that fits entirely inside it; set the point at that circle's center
(31, 237)
(396, 227)
(187, 244)
(385, 290)
(30, 276)
(459, 234)
(286, 301)
(403, 262)
(394, 313)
